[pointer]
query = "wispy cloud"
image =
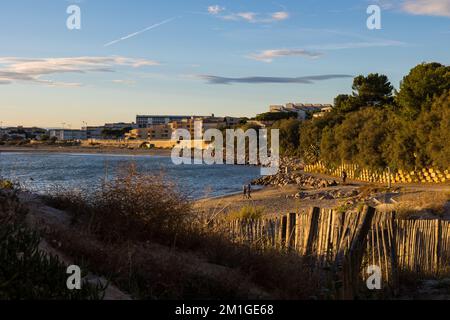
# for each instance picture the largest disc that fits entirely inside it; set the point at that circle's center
(427, 7)
(248, 16)
(269, 55)
(280, 15)
(216, 9)
(134, 34)
(357, 45)
(266, 80)
(313, 51)
(14, 69)
(418, 7)
(124, 82)
(254, 17)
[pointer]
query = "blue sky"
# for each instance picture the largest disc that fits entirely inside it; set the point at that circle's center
(201, 57)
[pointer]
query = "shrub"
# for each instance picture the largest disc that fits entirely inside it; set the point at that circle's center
(6, 184)
(247, 213)
(26, 272)
(133, 205)
(121, 227)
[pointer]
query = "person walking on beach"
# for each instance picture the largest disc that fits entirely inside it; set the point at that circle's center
(249, 191)
(244, 189)
(344, 177)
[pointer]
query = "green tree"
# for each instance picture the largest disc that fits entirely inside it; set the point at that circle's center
(345, 103)
(433, 134)
(373, 90)
(289, 135)
(275, 116)
(329, 147)
(371, 138)
(311, 132)
(400, 144)
(420, 86)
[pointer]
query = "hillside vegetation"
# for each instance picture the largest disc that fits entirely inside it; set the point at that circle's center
(376, 126)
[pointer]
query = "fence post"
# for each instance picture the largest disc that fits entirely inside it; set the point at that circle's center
(284, 220)
(438, 243)
(312, 230)
(290, 229)
(356, 253)
(394, 256)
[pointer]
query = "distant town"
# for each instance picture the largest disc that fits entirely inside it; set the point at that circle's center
(159, 128)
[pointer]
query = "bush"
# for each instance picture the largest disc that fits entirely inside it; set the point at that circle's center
(26, 272)
(120, 230)
(29, 274)
(247, 213)
(6, 184)
(133, 205)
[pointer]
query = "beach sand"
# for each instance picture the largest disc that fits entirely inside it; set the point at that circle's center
(274, 200)
(84, 150)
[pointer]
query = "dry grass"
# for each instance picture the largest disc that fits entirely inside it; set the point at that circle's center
(246, 213)
(26, 271)
(117, 230)
(133, 206)
(422, 204)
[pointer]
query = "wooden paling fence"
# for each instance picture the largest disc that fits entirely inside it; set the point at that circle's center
(348, 242)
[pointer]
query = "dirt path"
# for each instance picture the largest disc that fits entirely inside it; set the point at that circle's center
(41, 216)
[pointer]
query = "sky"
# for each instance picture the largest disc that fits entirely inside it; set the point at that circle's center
(230, 57)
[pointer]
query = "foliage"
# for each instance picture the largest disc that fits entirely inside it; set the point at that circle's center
(26, 272)
(372, 129)
(275, 116)
(144, 234)
(420, 86)
(373, 90)
(133, 205)
(290, 131)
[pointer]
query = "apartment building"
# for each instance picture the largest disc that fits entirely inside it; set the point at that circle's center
(94, 132)
(68, 134)
(120, 126)
(144, 121)
(303, 111)
(153, 132)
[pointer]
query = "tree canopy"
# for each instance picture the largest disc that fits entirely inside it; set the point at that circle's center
(421, 86)
(373, 128)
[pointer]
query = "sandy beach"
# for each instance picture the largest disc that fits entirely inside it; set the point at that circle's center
(274, 200)
(81, 150)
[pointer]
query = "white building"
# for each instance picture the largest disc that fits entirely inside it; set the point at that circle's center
(68, 134)
(120, 126)
(144, 121)
(94, 132)
(303, 111)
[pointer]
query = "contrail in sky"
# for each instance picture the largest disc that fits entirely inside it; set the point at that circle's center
(139, 32)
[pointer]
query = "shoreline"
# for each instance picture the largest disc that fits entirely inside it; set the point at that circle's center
(84, 150)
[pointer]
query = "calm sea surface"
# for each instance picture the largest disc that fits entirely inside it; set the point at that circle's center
(39, 172)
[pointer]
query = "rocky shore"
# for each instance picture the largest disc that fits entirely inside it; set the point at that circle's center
(295, 178)
(291, 173)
